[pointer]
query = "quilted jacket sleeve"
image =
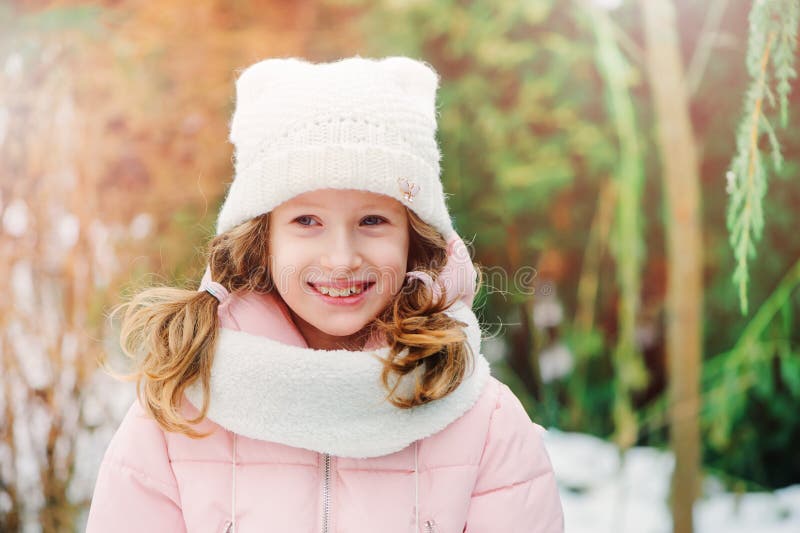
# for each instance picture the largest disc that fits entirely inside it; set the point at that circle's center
(515, 491)
(136, 489)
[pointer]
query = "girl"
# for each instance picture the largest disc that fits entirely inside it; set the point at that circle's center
(327, 375)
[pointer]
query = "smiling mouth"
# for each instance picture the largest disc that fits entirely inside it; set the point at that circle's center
(343, 292)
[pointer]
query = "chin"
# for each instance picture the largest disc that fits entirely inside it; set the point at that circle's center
(344, 331)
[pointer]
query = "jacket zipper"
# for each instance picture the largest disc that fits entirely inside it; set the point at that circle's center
(430, 525)
(326, 496)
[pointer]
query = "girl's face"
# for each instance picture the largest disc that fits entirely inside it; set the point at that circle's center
(324, 244)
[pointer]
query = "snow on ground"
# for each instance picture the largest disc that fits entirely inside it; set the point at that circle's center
(602, 491)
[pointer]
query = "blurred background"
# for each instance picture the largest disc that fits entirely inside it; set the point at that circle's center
(625, 172)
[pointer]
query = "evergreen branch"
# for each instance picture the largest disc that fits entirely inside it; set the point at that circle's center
(744, 246)
(627, 247)
(784, 56)
(772, 39)
(768, 92)
(777, 157)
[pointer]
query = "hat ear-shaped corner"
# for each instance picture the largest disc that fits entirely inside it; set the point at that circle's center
(253, 80)
(417, 78)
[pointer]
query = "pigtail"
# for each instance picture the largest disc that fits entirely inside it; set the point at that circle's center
(171, 333)
(418, 330)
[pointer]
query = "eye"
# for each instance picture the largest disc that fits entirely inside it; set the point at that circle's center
(304, 218)
(375, 218)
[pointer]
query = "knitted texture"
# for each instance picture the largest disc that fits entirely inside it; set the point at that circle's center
(356, 123)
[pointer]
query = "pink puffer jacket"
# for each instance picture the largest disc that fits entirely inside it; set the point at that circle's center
(487, 472)
(294, 454)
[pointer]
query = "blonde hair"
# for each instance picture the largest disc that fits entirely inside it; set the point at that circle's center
(171, 333)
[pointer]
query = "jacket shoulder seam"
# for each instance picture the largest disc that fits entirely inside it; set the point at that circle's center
(512, 485)
(122, 465)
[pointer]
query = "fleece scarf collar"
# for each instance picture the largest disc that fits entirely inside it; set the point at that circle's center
(329, 401)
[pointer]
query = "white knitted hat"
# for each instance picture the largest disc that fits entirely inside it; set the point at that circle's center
(355, 123)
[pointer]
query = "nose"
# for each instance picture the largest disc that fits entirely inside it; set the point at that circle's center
(341, 253)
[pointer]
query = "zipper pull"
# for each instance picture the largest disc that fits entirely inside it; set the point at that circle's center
(430, 526)
(228, 527)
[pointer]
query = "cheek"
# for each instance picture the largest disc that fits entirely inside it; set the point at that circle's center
(401, 255)
(392, 259)
(284, 263)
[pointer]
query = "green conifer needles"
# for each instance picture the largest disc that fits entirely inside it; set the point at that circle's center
(770, 65)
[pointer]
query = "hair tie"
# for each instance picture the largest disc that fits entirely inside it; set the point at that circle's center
(427, 280)
(215, 289)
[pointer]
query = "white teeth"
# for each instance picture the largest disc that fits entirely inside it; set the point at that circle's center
(330, 291)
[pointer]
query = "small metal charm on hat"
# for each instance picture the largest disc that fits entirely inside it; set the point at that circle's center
(409, 188)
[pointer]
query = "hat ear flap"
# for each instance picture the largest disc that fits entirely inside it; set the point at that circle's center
(417, 79)
(255, 81)
(258, 77)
